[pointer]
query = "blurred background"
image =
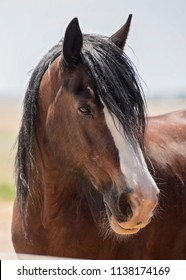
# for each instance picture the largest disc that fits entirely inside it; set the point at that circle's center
(28, 29)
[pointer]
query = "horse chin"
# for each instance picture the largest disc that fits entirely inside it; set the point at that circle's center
(117, 228)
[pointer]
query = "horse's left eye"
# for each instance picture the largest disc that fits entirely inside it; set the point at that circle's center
(85, 110)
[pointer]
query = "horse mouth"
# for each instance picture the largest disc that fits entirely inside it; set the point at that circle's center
(116, 227)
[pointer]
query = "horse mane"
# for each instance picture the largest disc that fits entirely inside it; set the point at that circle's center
(27, 133)
(117, 86)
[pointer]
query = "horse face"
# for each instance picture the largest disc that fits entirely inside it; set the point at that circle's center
(95, 146)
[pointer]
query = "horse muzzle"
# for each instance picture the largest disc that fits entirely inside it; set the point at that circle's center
(131, 213)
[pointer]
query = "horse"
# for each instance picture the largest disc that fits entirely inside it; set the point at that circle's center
(97, 178)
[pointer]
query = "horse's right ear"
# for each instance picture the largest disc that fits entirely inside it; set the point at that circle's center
(72, 43)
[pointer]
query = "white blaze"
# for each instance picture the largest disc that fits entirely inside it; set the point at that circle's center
(132, 162)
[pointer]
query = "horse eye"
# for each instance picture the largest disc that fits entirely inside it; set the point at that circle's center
(85, 110)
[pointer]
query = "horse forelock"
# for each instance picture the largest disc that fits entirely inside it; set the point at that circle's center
(117, 85)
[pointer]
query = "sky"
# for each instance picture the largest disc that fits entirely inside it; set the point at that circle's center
(156, 42)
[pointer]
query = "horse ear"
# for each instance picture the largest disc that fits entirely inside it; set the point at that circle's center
(72, 43)
(119, 38)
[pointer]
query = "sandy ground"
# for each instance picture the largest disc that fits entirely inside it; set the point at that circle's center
(5, 227)
(10, 115)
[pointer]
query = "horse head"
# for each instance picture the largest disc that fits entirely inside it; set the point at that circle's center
(99, 112)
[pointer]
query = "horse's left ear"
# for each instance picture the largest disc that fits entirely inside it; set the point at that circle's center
(119, 38)
(72, 43)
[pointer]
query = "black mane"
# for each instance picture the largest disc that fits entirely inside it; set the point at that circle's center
(117, 87)
(27, 134)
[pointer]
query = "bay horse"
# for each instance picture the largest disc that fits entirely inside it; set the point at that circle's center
(96, 178)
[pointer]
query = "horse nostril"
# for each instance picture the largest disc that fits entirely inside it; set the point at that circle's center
(126, 210)
(124, 206)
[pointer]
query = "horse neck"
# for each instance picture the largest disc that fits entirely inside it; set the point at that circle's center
(55, 187)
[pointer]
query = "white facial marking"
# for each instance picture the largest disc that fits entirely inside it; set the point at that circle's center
(132, 162)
